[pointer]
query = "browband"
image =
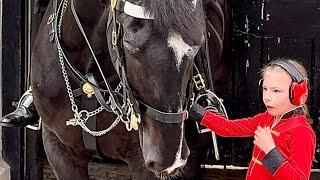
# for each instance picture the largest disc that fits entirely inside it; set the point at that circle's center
(136, 10)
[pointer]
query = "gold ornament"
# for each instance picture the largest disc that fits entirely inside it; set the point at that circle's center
(87, 88)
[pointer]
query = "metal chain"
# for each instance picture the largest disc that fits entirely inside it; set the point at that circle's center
(81, 117)
(63, 10)
(118, 88)
(102, 132)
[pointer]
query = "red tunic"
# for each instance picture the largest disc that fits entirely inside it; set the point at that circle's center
(293, 136)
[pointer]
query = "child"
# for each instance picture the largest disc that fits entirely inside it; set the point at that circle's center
(284, 142)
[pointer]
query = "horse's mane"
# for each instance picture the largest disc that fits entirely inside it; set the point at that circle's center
(178, 15)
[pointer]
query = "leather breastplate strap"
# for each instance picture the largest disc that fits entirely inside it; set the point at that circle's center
(90, 104)
(89, 141)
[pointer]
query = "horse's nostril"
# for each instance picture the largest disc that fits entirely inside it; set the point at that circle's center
(150, 164)
(153, 166)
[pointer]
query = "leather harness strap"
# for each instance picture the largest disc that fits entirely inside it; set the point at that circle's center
(89, 141)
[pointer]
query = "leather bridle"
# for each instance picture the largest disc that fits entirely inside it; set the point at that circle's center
(128, 100)
(114, 25)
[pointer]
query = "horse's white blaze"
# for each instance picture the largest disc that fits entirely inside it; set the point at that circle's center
(178, 161)
(180, 48)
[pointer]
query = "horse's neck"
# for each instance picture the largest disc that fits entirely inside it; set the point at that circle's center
(89, 13)
(73, 40)
(88, 9)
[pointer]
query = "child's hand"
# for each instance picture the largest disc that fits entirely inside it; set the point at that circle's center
(263, 139)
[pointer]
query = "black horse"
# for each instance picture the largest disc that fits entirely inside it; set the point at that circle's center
(151, 46)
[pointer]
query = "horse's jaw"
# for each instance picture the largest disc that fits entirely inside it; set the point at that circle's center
(179, 160)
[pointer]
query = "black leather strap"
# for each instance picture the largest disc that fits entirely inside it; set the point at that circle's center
(98, 95)
(90, 104)
(162, 116)
(78, 92)
(89, 141)
(52, 24)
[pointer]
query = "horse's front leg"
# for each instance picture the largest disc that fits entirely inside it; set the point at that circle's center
(65, 163)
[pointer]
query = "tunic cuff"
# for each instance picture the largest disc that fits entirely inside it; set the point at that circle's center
(273, 160)
(197, 112)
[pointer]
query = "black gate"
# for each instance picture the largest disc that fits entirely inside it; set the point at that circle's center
(21, 148)
(262, 31)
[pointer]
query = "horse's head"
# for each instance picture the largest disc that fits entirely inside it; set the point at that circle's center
(151, 44)
(160, 40)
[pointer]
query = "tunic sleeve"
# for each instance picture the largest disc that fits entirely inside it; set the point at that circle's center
(301, 155)
(232, 128)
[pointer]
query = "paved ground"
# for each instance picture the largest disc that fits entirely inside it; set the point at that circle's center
(99, 171)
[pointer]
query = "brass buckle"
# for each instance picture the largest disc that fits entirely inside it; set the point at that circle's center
(114, 38)
(50, 19)
(199, 82)
(115, 33)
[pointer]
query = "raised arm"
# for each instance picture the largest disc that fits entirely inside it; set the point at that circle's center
(233, 128)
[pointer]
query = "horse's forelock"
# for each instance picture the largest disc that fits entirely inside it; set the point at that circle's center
(179, 15)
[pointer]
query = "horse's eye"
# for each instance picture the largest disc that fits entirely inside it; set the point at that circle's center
(136, 25)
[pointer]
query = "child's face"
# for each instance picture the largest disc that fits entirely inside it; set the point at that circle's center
(275, 86)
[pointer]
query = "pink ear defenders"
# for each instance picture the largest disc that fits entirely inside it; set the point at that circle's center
(298, 91)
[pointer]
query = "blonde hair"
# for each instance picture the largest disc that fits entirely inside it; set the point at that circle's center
(274, 67)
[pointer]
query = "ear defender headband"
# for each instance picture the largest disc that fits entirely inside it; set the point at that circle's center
(298, 91)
